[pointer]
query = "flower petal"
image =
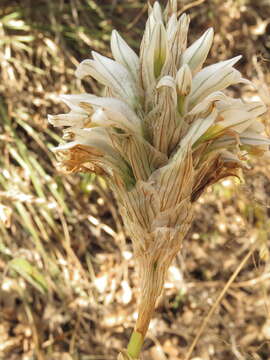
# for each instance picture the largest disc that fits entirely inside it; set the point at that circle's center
(251, 138)
(196, 130)
(256, 108)
(177, 37)
(213, 78)
(158, 50)
(70, 119)
(112, 105)
(237, 119)
(109, 118)
(124, 55)
(153, 56)
(196, 54)
(111, 74)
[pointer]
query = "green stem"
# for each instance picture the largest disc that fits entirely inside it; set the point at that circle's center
(135, 344)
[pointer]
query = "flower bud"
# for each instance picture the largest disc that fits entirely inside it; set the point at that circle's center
(183, 87)
(196, 54)
(158, 49)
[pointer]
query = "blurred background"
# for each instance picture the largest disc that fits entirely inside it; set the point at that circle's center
(68, 289)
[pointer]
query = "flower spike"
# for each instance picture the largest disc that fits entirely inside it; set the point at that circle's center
(164, 132)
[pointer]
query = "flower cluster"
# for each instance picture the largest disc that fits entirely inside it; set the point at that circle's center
(159, 106)
(162, 133)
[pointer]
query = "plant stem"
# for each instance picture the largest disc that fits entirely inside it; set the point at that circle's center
(137, 337)
(152, 281)
(135, 344)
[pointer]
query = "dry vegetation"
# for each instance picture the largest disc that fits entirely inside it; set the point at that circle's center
(68, 287)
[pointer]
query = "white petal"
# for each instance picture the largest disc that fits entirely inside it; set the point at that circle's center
(223, 142)
(197, 129)
(196, 54)
(69, 119)
(203, 106)
(237, 119)
(88, 68)
(251, 138)
(158, 50)
(73, 105)
(256, 126)
(73, 100)
(228, 156)
(66, 146)
(157, 12)
(256, 108)
(100, 118)
(177, 37)
(124, 55)
(150, 24)
(110, 104)
(118, 106)
(172, 27)
(154, 16)
(239, 115)
(110, 118)
(213, 78)
(183, 21)
(95, 137)
(110, 74)
(246, 138)
(98, 139)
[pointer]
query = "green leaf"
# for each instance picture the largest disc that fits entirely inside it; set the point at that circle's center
(29, 273)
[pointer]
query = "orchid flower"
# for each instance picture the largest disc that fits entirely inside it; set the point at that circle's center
(164, 132)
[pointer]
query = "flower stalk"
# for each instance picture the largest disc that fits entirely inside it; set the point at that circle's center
(135, 344)
(162, 133)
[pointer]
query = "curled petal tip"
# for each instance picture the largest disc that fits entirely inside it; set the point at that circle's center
(50, 119)
(83, 69)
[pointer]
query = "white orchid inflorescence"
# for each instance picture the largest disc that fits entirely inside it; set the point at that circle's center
(163, 132)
